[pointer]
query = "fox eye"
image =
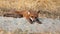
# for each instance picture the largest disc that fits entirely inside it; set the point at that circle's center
(35, 17)
(31, 16)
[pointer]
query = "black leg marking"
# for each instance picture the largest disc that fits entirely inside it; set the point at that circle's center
(37, 20)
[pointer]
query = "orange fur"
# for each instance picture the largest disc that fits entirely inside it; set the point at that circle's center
(31, 16)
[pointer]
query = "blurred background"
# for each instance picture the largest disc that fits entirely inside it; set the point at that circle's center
(49, 9)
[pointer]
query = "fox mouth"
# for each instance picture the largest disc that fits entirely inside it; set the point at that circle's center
(35, 20)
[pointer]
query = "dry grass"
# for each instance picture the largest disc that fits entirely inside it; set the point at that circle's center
(30, 4)
(48, 8)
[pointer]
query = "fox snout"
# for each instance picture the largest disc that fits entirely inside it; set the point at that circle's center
(35, 20)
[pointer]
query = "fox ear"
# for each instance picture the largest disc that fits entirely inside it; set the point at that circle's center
(28, 12)
(38, 11)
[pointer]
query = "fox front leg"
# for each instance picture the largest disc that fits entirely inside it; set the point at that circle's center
(37, 20)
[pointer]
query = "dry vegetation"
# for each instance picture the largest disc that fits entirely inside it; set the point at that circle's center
(48, 8)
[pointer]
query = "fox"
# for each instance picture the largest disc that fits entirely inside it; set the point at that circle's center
(30, 15)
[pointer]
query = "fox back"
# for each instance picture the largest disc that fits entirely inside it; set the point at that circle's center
(31, 16)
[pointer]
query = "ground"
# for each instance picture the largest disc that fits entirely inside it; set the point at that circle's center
(21, 25)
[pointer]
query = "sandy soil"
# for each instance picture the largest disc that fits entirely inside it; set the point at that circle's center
(11, 25)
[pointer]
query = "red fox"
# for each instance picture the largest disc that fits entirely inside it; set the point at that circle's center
(31, 16)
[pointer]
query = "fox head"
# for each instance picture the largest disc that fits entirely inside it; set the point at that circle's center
(33, 16)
